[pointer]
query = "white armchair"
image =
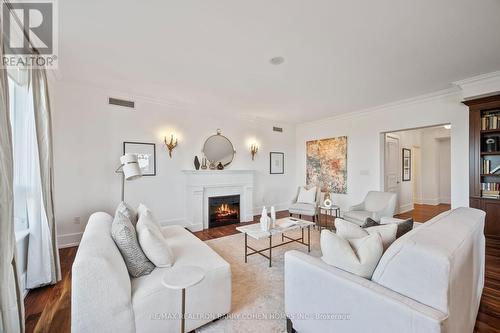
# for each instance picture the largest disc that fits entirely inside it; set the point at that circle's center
(307, 209)
(375, 206)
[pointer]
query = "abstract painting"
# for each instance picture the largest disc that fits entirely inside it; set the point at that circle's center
(327, 164)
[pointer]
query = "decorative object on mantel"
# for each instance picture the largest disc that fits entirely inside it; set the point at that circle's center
(264, 220)
(220, 166)
(273, 217)
(196, 163)
(253, 150)
(326, 164)
(129, 169)
(204, 164)
(146, 156)
(170, 145)
(211, 165)
(218, 148)
(276, 163)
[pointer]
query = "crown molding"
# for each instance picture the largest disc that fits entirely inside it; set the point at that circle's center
(453, 91)
(479, 86)
(477, 78)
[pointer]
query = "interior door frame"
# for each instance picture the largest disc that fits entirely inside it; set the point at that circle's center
(398, 159)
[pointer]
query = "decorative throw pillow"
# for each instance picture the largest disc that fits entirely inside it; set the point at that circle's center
(307, 195)
(357, 256)
(349, 230)
(143, 210)
(128, 211)
(125, 237)
(152, 241)
(403, 225)
(369, 223)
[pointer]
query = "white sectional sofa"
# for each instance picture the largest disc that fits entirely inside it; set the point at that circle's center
(430, 280)
(106, 299)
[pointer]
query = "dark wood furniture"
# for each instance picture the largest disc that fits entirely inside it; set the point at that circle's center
(478, 108)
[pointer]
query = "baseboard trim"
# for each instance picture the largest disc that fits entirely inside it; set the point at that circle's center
(69, 240)
(434, 201)
(278, 207)
(406, 208)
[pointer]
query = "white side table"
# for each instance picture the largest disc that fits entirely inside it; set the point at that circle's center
(182, 277)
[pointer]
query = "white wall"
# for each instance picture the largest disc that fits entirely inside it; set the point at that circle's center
(364, 130)
(88, 136)
(444, 146)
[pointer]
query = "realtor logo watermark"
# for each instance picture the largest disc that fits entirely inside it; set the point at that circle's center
(30, 34)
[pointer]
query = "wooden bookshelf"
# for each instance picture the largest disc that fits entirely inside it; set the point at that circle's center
(484, 111)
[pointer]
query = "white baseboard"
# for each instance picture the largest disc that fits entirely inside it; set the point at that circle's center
(69, 240)
(433, 201)
(445, 200)
(405, 208)
(278, 207)
(73, 239)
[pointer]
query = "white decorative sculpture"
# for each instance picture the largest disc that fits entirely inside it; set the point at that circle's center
(273, 217)
(264, 220)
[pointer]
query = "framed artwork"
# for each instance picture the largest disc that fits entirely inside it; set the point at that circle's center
(326, 164)
(276, 163)
(146, 156)
(406, 164)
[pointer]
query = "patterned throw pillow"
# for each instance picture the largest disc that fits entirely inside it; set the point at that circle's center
(127, 211)
(125, 237)
(403, 227)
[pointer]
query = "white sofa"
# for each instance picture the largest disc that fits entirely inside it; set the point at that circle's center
(106, 299)
(375, 206)
(429, 280)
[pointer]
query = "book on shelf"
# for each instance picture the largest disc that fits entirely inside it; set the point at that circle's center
(489, 121)
(490, 187)
(486, 168)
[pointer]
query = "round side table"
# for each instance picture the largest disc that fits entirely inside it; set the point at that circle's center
(333, 211)
(182, 277)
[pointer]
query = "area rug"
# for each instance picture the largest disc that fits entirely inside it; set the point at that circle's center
(258, 290)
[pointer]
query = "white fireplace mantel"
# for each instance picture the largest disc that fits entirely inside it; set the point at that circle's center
(203, 184)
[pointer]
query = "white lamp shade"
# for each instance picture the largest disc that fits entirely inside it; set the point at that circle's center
(130, 166)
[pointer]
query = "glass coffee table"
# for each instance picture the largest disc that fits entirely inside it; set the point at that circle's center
(283, 226)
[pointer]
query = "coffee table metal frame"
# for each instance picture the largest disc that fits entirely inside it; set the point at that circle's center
(284, 237)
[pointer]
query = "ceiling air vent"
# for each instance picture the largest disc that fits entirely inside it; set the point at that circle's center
(277, 129)
(121, 102)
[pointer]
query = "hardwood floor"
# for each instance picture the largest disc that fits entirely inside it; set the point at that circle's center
(423, 213)
(48, 309)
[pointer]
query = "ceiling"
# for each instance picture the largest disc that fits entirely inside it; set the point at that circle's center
(340, 55)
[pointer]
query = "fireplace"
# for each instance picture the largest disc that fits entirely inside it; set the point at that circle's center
(223, 210)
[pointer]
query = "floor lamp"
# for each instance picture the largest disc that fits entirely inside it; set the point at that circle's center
(129, 169)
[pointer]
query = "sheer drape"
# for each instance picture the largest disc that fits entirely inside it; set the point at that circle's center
(43, 257)
(11, 302)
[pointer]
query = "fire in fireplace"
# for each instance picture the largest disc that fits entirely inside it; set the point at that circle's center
(223, 210)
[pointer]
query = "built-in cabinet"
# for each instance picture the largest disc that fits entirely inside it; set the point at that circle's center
(484, 157)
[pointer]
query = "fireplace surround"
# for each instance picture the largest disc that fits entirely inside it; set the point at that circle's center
(204, 184)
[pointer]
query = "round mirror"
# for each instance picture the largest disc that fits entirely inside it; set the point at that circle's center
(218, 148)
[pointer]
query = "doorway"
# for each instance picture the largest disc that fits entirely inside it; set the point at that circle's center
(417, 167)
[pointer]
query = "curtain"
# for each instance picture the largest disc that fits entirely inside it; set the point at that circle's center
(11, 300)
(43, 256)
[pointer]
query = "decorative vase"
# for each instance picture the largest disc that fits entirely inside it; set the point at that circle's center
(264, 220)
(220, 166)
(196, 163)
(273, 217)
(211, 165)
(204, 164)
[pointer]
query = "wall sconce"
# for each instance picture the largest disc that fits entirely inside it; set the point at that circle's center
(253, 150)
(170, 145)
